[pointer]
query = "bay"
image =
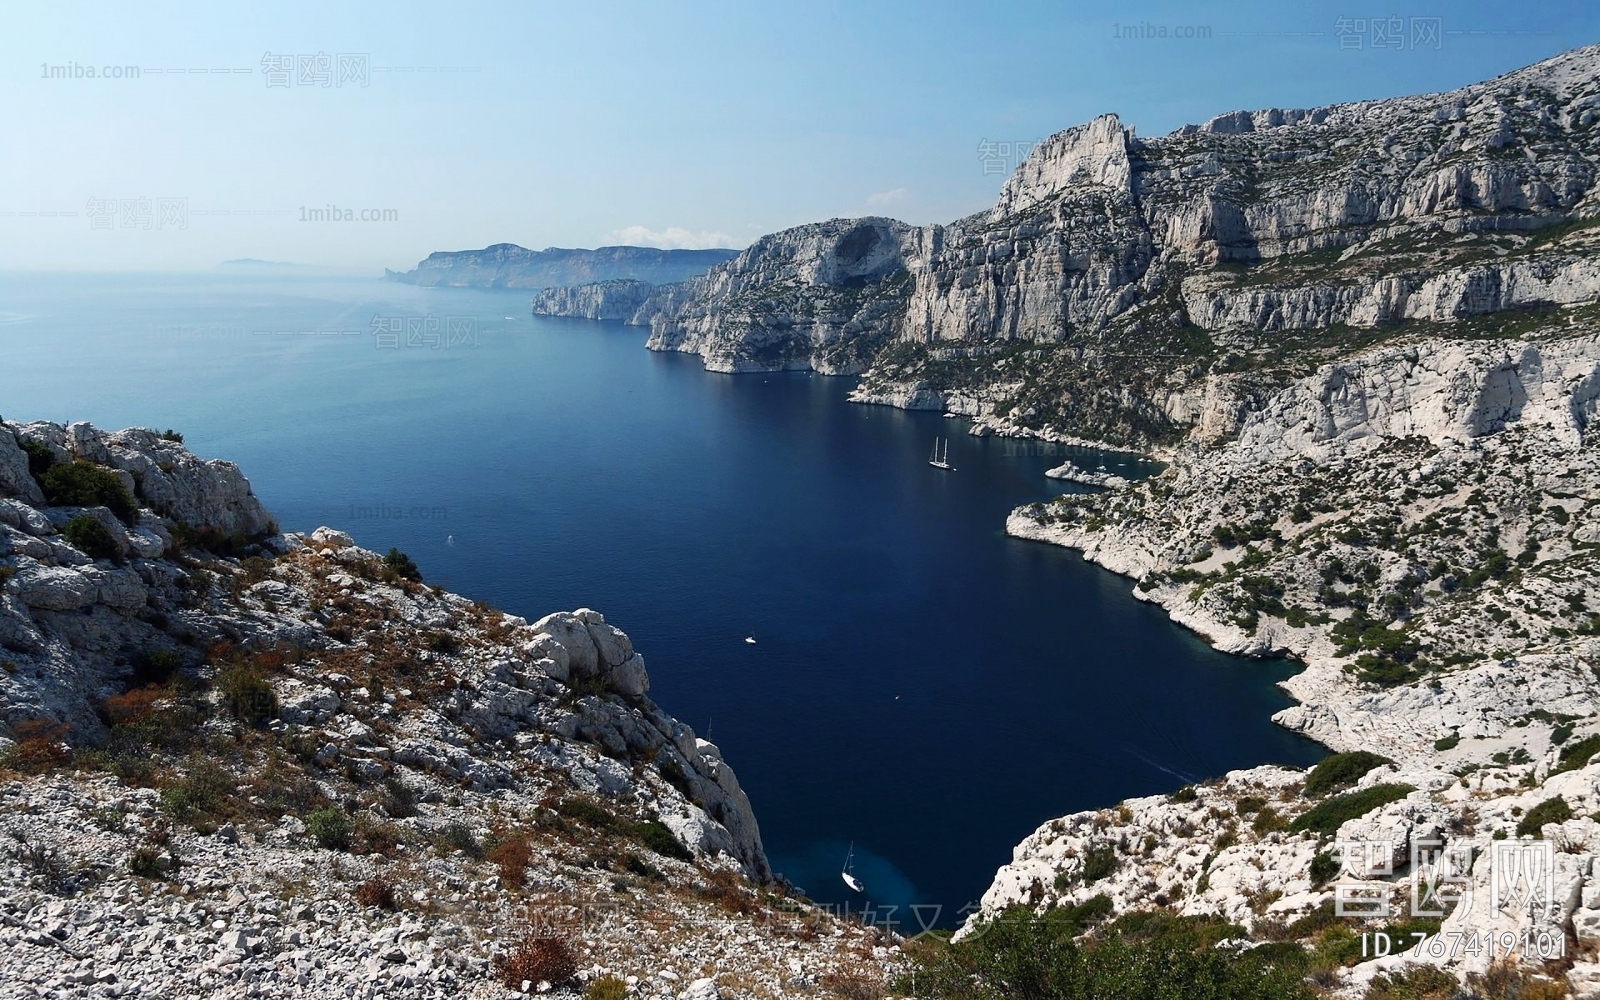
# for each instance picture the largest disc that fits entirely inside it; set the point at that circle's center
(920, 684)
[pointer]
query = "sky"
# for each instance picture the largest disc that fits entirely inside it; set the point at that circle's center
(458, 125)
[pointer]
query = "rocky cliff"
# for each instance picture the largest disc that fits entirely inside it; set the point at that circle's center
(1115, 272)
(609, 300)
(238, 761)
(506, 265)
(826, 296)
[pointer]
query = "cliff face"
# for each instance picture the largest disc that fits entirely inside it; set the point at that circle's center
(506, 265)
(1146, 264)
(601, 300)
(825, 296)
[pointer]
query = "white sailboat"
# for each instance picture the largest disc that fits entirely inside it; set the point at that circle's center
(849, 876)
(941, 461)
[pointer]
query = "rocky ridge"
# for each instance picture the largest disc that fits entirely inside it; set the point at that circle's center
(618, 299)
(246, 763)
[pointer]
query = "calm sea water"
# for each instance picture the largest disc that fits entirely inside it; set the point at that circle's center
(921, 684)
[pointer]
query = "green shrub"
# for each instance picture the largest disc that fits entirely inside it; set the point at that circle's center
(1553, 810)
(330, 826)
(1098, 863)
(399, 566)
(1139, 956)
(459, 837)
(200, 795)
(1320, 919)
(642, 868)
(86, 534)
(654, 835)
(1340, 771)
(1576, 755)
(1324, 868)
(1327, 815)
(1185, 794)
(248, 695)
(586, 812)
(1447, 742)
(399, 798)
(84, 484)
(209, 539)
(1268, 820)
(40, 457)
(1344, 946)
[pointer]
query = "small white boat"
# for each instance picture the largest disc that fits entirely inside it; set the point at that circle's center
(750, 639)
(941, 461)
(849, 876)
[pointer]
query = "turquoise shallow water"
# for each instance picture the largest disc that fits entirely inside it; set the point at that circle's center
(921, 684)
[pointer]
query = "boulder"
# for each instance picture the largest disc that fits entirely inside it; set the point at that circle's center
(15, 480)
(53, 588)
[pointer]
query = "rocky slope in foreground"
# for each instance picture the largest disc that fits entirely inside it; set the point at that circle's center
(242, 763)
(506, 265)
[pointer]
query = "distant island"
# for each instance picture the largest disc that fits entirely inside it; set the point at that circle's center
(506, 265)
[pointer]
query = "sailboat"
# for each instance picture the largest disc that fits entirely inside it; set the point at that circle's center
(939, 461)
(848, 876)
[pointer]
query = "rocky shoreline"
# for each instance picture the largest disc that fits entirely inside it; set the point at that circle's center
(1473, 674)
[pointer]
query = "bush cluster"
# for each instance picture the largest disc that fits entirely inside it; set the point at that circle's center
(1327, 815)
(86, 534)
(1339, 771)
(84, 484)
(1139, 956)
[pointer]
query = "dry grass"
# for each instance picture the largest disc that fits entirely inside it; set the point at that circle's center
(727, 891)
(538, 958)
(512, 855)
(853, 985)
(377, 891)
(39, 748)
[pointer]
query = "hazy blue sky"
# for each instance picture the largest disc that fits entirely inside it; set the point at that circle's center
(582, 124)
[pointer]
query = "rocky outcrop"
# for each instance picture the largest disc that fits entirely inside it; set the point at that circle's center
(1070, 472)
(203, 495)
(603, 300)
(1239, 316)
(825, 296)
(506, 265)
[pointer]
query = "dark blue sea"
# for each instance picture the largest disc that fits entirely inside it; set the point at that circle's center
(920, 684)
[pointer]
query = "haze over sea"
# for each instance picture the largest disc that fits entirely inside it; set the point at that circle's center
(920, 684)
